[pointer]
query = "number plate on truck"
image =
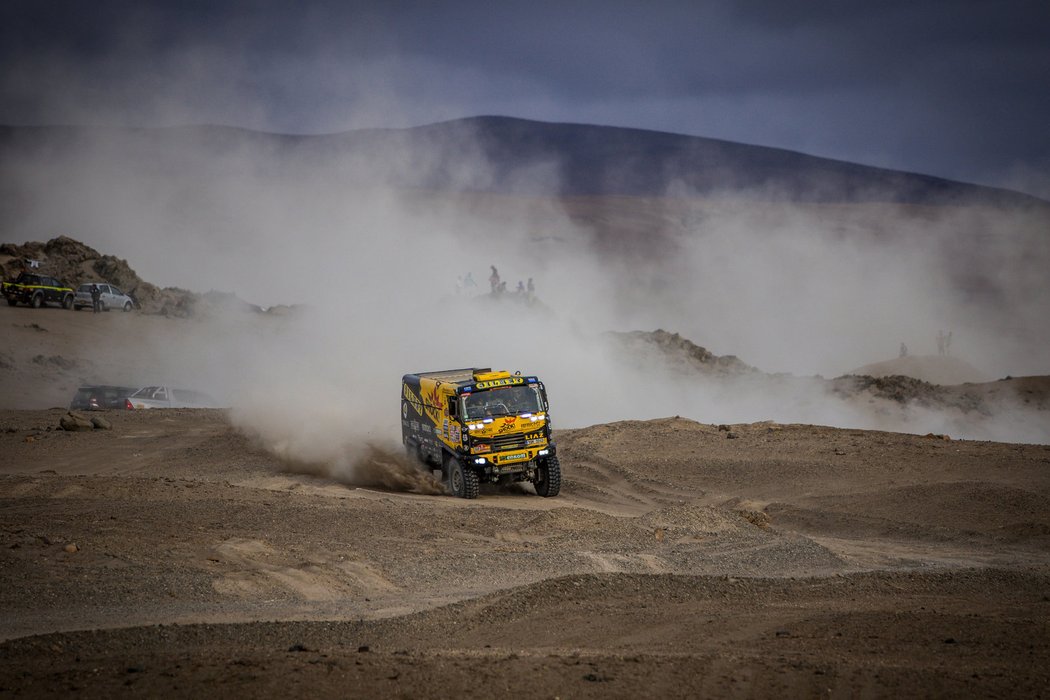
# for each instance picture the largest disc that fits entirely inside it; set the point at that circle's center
(514, 457)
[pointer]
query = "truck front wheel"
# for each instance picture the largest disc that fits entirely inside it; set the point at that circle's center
(462, 482)
(548, 477)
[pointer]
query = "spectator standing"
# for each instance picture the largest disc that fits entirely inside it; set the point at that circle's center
(96, 299)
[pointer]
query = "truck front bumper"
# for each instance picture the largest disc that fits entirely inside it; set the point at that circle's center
(512, 461)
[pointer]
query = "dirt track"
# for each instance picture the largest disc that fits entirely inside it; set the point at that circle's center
(677, 561)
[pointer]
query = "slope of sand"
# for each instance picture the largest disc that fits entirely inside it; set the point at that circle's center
(170, 556)
(935, 369)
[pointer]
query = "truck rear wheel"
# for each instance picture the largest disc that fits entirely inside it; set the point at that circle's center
(548, 477)
(462, 482)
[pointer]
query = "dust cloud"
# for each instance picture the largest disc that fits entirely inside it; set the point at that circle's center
(383, 466)
(801, 289)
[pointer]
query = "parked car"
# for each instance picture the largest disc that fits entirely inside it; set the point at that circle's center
(96, 398)
(166, 397)
(38, 290)
(111, 297)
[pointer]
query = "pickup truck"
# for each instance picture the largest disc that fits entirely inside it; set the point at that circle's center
(38, 290)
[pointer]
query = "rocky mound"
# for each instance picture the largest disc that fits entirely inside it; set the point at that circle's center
(893, 388)
(76, 263)
(897, 398)
(676, 352)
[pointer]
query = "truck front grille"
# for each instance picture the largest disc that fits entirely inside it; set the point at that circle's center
(508, 442)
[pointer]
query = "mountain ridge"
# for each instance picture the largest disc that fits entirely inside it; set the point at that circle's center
(498, 153)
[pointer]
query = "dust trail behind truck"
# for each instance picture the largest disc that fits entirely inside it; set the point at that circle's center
(478, 426)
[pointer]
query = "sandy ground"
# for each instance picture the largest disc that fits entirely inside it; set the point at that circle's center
(171, 557)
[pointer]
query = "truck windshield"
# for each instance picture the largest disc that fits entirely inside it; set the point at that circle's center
(504, 401)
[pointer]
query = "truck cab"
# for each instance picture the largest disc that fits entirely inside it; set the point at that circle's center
(478, 426)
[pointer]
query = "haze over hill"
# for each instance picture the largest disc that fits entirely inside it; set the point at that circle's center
(322, 409)
(794, 263)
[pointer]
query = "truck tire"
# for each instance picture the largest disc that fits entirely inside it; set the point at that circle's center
(462, 482)
(67, 302)
(548, 477)
(37, 300)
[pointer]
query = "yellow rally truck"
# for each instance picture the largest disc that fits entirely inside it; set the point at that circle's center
(478, 425)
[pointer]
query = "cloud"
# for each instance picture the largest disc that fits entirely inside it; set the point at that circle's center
(952, 89)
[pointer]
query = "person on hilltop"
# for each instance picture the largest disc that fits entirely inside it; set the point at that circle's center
(530, 289)
(494, 279)
(96, 299)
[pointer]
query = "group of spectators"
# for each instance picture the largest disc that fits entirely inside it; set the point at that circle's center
(498, 287)
(944, 344)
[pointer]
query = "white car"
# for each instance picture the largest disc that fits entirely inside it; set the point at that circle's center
(166, 397)
(111, 297)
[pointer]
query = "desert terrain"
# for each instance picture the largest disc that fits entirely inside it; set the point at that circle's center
(174, 555)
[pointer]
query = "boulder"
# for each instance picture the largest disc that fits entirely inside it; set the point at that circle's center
(73, 422)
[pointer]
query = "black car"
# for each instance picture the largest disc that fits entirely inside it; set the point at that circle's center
(38, 290)
(96, 398)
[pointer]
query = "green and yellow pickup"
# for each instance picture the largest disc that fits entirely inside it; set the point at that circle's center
(38, 290)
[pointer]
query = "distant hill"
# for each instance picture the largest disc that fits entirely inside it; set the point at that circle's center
(503, 155)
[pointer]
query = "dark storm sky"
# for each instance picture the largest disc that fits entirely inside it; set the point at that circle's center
(956, 88)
